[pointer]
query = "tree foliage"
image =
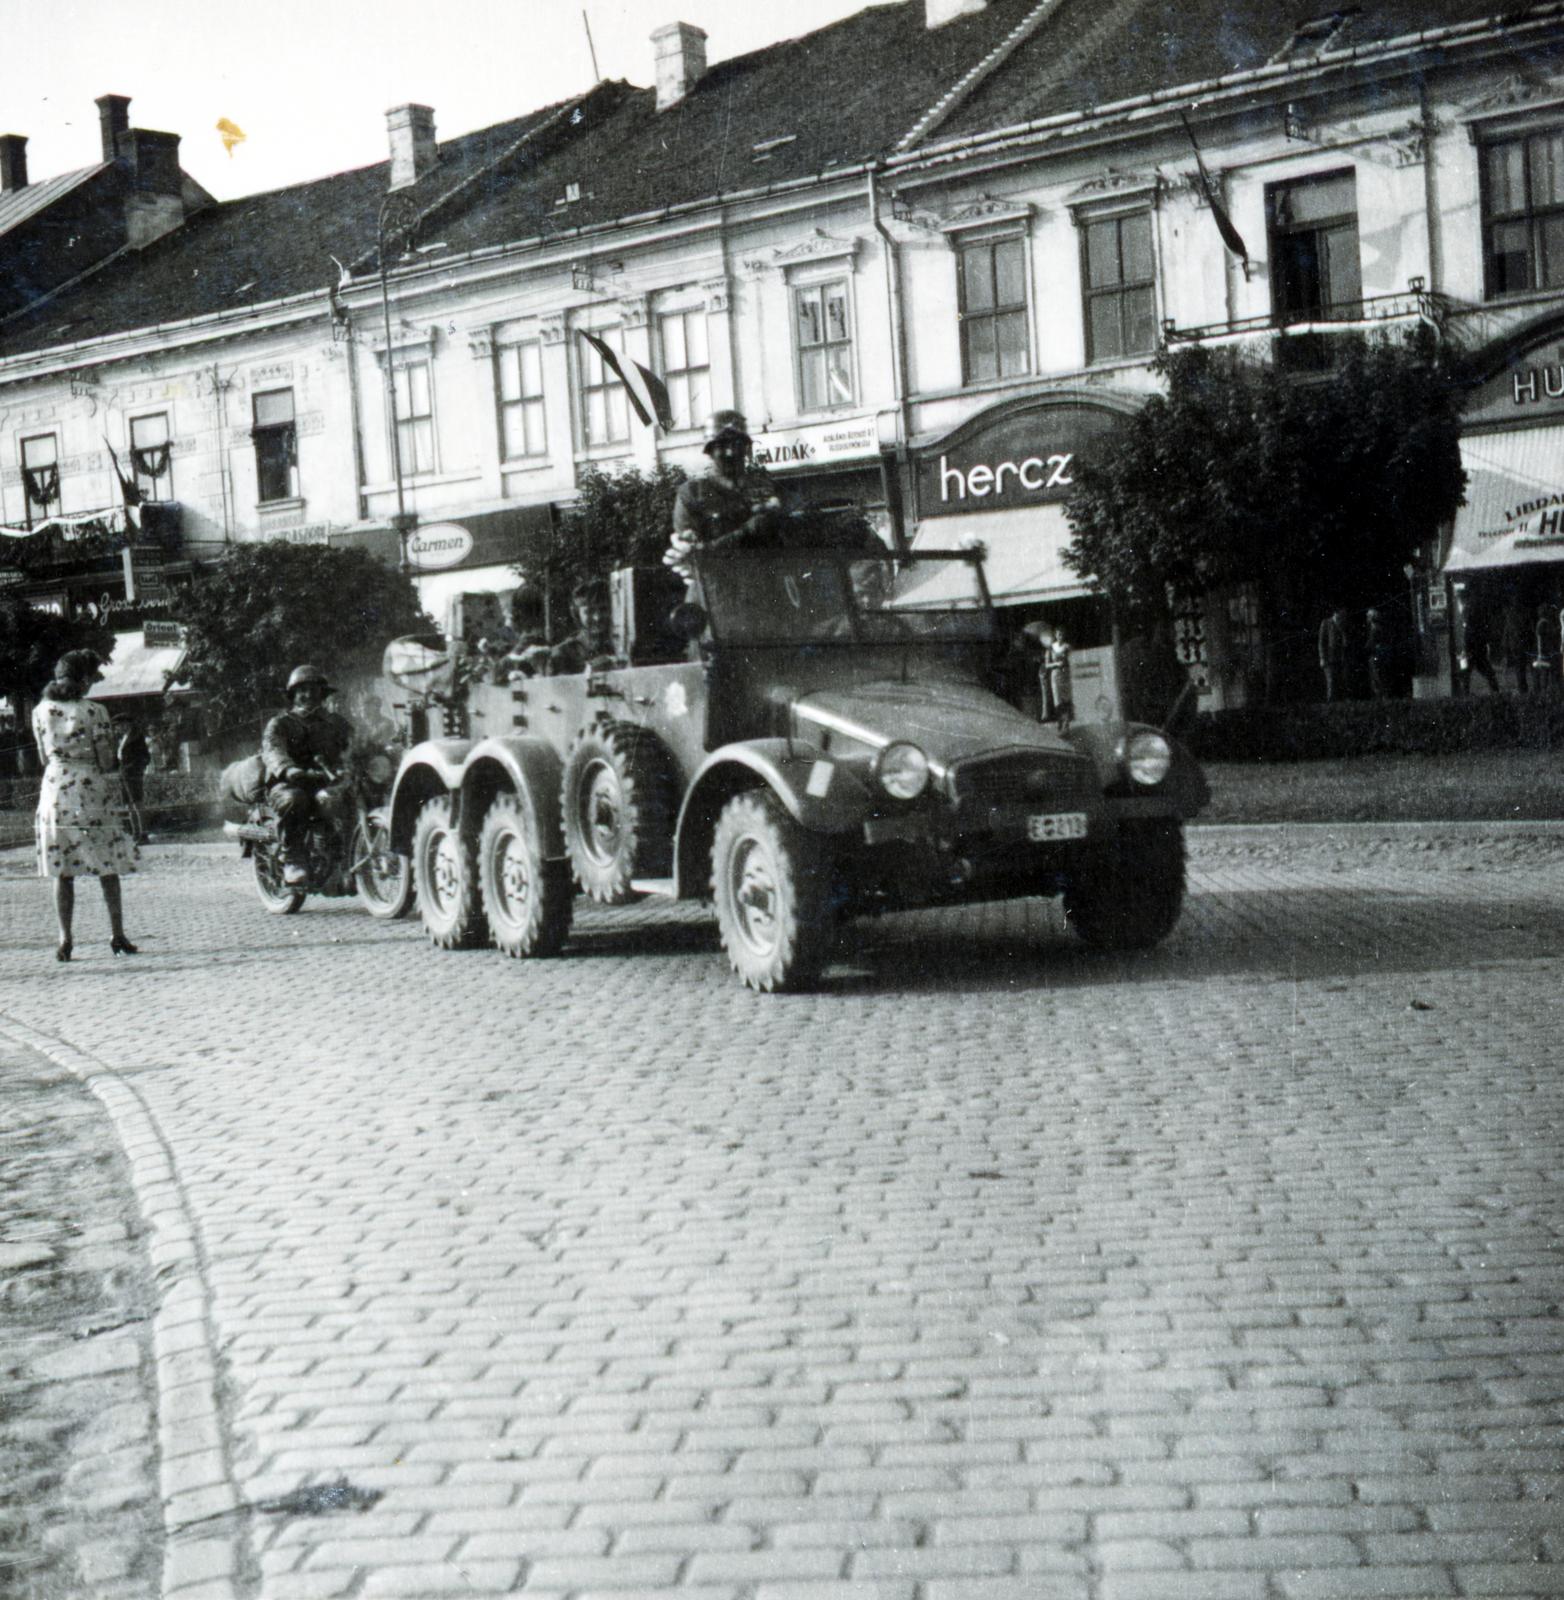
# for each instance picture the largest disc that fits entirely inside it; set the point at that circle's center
(31, 641)
(619, 519)
(1314, 489)
(254, 616)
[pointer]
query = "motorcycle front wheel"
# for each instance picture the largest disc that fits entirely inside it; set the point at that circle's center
(276, 896)
(383, 878)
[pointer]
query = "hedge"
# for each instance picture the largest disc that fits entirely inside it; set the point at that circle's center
(162, 791)
(1379, 727)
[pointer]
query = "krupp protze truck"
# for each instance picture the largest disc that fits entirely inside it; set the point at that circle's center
(811, 739)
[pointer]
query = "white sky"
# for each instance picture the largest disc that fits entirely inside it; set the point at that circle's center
(310, 81)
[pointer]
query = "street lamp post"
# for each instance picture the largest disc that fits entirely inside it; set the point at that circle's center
(398, 217)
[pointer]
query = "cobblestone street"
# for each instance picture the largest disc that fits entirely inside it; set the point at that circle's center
(995, 1270)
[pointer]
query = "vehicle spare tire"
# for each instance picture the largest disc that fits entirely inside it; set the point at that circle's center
(617, 797)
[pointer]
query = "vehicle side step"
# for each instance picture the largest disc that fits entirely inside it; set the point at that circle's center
(657, 886)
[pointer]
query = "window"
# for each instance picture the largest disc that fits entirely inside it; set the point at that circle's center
(1121, 313)
(41, 474)
(686, 365)
(1314, 247)
(825, 346)
(1523, 213)
(605, 414)
(521, 401)
(414, 417)
(276, 446)
(149, 456)
(992, 296)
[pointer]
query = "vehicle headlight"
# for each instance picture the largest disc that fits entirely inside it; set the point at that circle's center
(903, 771)
(378, 768)
(1149, 758)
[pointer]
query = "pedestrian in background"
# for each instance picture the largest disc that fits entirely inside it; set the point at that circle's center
(134, 758)
(1545, 664)
(81, 814)
(1513, 644)
(1333, 653)
(1479, 645)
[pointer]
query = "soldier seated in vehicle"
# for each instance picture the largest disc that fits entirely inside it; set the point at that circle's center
(297, 747)
(592, 644)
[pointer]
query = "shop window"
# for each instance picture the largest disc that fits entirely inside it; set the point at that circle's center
(681, 338)
(1119, 281)
(522, 431)
(1523, 213)
(276, 441)
(150, 449)
(605, 412)
(1315, 264)
(823, 344)
(41, 475)
(414, 417)
(995, 335)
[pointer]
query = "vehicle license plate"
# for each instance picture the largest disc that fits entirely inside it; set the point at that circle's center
(1057, 825)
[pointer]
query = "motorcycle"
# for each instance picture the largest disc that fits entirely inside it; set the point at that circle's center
(347, 846)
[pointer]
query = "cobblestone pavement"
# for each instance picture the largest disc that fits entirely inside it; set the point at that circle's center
(994, 1271)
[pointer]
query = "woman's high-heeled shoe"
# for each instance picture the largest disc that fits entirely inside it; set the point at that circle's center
(62, 951)
(121, 946)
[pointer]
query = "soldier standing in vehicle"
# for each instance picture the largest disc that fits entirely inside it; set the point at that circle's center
(295, 748)
(719, 506)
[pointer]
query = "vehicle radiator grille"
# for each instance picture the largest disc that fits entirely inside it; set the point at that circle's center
(1033, 783)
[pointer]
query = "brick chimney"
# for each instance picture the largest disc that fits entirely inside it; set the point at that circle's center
(938, 12)
(13, 162)
(113, 120)
(413, 148)
(680, 48)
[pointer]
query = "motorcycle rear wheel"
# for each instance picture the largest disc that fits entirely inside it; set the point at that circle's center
(278, 897)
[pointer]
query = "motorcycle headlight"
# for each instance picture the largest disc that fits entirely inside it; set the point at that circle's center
(1149, 758)
(902, 770)
(378, 768)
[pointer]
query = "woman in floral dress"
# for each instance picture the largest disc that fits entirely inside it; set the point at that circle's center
(81, 811)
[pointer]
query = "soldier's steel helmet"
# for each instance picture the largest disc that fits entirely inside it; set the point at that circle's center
(307, 674)
(721, 425)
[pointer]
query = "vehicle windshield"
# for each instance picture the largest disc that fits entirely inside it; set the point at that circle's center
(826, 597)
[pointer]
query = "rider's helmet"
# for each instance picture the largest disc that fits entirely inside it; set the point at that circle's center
(307, 674)
(722, 426)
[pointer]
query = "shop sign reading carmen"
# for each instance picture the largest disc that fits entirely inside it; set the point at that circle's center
(440, 545)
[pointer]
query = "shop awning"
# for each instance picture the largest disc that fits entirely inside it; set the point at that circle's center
(1025, 558)
(1514, 511)
(135, 668)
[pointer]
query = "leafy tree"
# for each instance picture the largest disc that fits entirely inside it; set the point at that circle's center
(255, 615)
(619, 519)
(1316, 490)
(31, 641)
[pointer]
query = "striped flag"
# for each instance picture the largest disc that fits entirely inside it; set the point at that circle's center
(647, 393)
(1224, 223)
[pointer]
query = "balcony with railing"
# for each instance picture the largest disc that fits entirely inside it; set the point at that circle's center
(1303, 340)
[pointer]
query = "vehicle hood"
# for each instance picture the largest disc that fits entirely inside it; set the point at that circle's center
(950, 721)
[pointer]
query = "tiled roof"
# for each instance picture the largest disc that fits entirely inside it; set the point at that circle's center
(17, 205)
(251, 251)
(1098, 52)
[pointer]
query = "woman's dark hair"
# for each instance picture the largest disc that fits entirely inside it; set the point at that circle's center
(74, 673)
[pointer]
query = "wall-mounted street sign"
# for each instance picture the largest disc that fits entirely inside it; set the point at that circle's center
(1021, 453)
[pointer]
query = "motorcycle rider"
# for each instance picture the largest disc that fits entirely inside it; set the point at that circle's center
(296, 747)
(719, 506)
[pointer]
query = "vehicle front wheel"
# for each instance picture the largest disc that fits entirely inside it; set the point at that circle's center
(528, 900)
(1127, 895)
(382, 877)
(275, 895)
(445, 880)
(771, 884)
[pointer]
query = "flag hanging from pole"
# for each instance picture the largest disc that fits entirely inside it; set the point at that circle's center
(647, 393)
(1224, 223)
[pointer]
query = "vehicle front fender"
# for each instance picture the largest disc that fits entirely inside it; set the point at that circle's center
(431, 768)
(818, 793)
(528, 767)
(1184, 792)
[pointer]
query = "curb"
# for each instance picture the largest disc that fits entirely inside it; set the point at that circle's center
(196, 1482)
